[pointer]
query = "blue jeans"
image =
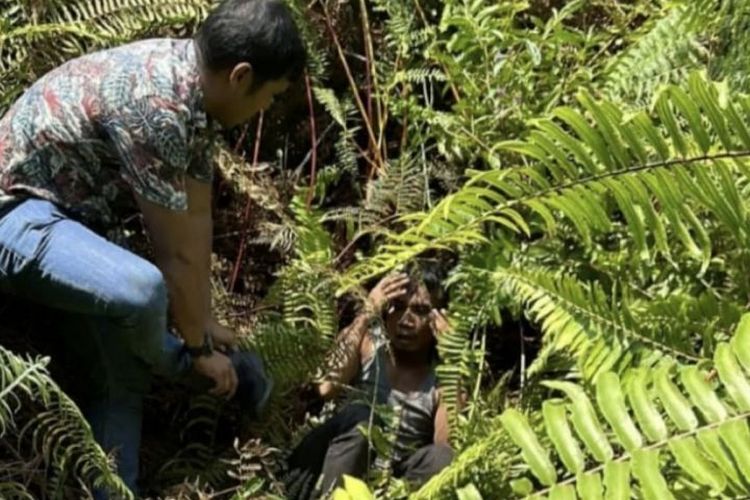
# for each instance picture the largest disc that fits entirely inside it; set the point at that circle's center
(118, 308)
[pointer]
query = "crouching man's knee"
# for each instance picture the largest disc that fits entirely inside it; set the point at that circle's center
(426, 462)
(139, 313)
(143, 294)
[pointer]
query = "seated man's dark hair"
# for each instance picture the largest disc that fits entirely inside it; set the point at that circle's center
(431, 273)
(259, 32)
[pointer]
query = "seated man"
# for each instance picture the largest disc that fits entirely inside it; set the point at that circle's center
(396, 369)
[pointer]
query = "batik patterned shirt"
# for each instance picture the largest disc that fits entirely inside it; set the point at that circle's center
(92, 131)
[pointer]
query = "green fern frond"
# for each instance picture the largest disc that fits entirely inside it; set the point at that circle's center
(317, 62)
(59, 432)
(593, 326)
(655, 171)
(400, 189)
(670, 47)
(733, 42)
(476, 301)
(403, 36)
(38, 36)
(695, 439)
(339, 110)
(294, 337)
(198, 457)
(419, 75)
(480, 463)
(9, 489)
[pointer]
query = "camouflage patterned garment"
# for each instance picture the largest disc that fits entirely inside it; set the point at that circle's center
(95, 129)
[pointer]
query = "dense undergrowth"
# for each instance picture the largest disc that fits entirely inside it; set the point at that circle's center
(585, 163)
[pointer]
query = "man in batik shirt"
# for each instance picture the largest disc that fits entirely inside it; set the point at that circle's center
(126, 130)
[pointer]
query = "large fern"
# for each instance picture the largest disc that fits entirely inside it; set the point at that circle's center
(682, 37)
(602, 171)
(295, 334)
(664, 51)
(37, 36)
(654, 172)
(693, 443)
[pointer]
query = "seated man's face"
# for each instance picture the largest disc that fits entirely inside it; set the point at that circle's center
(407, 320)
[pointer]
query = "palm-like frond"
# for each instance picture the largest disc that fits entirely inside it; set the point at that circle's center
(596, 328)
(668, 49)
(695, 440)
(654, 172)
(34, 31)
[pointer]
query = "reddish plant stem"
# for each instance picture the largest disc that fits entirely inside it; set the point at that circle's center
(368, 82)
(352, 83)
(246, 215)
(370, 79)
(313, 141)
(241, 139)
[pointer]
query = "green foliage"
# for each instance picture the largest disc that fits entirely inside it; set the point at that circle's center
(595, 160)
(58, 433)
(687, 36)
(294, 338)
(732, 40)
(665, 49)
(693, 443)
(353, 489)
(37, 36)
(652, 172)
(502, 65)
(690, 441)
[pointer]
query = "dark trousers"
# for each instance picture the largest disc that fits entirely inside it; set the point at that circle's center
(338, 447)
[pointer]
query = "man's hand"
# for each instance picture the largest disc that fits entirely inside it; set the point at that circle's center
(221, 335)
(218, 368)
(439, 322)
(391, 287)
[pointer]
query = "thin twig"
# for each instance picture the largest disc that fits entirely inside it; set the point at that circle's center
(238, 145)
(352, 82)
(372, 76)
(313, 141)
(308, 156)
(246, 215)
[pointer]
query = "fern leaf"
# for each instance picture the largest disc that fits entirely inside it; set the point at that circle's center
(659, 163)
(711, 453)
(60, 433)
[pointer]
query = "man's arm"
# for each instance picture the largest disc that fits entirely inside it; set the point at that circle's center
(442, 428)
(182, 247)
(343, 363)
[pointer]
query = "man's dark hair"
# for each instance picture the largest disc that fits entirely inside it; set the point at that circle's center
(431, 273)
(259, 32)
